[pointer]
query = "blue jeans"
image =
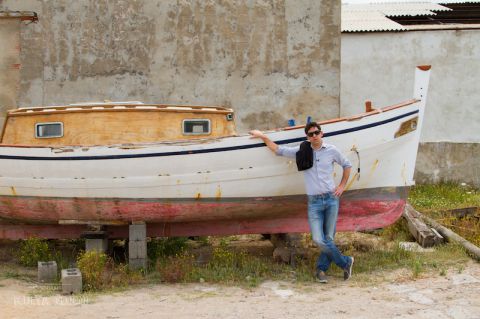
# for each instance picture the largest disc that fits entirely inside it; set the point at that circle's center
(322, 218)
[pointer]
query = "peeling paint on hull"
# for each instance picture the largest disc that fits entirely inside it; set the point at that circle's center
(359, 210)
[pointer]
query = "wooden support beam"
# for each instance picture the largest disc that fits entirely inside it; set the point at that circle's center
(450, 235)
(425, 236)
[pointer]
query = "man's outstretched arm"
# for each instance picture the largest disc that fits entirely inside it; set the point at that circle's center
(270, 144)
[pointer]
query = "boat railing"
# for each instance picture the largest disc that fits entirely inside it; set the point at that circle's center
(369, 110)
(119, 107)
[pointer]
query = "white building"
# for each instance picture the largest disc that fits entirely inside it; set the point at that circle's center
(381, 44)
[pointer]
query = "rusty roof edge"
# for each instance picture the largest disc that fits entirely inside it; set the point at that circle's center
(22, 15)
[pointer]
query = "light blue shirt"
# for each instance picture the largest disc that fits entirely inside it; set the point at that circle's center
(319, 178)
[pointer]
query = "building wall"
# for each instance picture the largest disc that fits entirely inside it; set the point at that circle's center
(9, 63)
(269, 60)
(380, 67)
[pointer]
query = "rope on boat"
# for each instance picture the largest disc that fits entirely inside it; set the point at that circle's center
(354, 148)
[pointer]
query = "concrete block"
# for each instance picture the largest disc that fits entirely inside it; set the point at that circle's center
(137, 249)
(137, 232)
(414, 246)
(47, 271)
(98, 244)
(137, 263)
(71, 281)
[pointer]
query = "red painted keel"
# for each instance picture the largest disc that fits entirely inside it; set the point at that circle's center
(359, 210)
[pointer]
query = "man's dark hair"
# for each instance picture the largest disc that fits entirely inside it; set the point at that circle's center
(310, 125)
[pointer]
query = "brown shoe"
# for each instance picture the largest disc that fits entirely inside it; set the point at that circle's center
(321, 277)
(347, 272)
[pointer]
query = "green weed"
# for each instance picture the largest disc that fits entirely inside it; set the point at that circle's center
(417, 268)
(12, 274)
(121, 276)
(164, 247)
(92, 264)
(397, 232)
(177, 268)
(99, 272)
(33, 250)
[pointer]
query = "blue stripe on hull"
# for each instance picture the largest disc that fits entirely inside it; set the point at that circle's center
(212, 150)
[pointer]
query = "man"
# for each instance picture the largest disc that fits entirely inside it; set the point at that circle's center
(323, 196)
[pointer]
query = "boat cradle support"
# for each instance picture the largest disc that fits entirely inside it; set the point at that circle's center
(123, 231)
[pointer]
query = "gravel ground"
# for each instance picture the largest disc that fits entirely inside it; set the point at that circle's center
(455, 295)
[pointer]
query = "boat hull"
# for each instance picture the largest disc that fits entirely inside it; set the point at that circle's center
(359, 210)
(211, 186)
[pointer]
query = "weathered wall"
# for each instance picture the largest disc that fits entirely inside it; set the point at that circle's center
(457, 162)
(269, 60)
(9, 64)
(380, 67)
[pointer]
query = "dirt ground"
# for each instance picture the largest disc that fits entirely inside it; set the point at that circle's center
(455, 295)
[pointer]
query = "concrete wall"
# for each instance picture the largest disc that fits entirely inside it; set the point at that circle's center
(9, 63)
(269, 60)
(443, 161)
(380, 67)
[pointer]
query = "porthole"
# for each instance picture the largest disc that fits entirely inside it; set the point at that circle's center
(49, 130)
(196, 127)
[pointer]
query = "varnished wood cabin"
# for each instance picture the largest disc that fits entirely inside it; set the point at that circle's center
(114, 123)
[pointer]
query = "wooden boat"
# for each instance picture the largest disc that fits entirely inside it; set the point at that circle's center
(183, 170)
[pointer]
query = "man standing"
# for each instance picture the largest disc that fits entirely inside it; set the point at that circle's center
(323, 196)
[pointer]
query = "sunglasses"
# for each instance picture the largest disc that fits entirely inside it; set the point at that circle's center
(311, 134)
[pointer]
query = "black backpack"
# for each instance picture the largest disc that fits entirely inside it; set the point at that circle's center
(304, 156)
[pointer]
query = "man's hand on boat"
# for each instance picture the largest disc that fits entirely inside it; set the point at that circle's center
(257, 134)
(270, 144)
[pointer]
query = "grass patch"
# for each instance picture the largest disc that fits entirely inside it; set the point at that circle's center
(379, 263)
(14, 271)
(164, 247)
(12, 274)
(32, 250)
(398, 231)
(468, 227)
(444, 196)
(438, 201)
(228, 266)
(99, 272)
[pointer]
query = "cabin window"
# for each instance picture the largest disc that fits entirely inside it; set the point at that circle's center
(49, 130)
(196, 127)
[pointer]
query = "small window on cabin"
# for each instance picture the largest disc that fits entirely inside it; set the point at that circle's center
(49, 130)
(196, 127)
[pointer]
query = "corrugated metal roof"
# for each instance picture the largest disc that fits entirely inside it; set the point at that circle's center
(364, 21)
(365, 17)
(398, 9)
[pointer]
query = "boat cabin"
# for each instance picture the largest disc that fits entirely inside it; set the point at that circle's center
(114, 123)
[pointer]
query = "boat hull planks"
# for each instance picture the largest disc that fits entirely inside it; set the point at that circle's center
(363, 209)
